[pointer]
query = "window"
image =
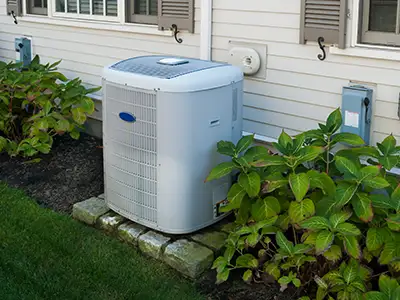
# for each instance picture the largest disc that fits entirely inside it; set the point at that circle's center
(142, 11)
(381, 22)
(37, 7)
(87, 8)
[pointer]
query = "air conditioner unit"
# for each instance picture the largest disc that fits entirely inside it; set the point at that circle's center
(162, 119)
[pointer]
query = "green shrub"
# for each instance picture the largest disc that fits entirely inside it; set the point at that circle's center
(312, 208)
(37, 103)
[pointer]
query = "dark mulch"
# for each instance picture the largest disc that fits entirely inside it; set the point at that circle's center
(237, 289)
(72, 172)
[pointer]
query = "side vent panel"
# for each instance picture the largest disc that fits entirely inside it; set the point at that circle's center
(131, 161)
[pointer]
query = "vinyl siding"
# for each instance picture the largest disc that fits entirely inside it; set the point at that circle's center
(299, 90)
(84, 52)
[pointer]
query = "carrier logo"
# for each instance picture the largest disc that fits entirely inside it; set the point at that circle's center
(127, 117)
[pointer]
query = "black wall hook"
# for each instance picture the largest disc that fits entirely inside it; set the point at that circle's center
(14, 17)
(175, 30)
(322, 47)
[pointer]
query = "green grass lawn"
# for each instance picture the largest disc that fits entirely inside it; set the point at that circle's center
(46, 255)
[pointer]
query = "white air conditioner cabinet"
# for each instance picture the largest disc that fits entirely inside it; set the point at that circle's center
(162, 119)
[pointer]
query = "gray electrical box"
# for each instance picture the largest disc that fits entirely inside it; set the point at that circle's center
(357, 111)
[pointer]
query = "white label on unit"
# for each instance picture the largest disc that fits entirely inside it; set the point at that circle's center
(351, 119)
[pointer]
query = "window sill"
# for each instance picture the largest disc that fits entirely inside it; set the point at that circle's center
(369, 51)
(100, 25)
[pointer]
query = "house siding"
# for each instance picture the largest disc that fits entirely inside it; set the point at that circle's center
(299, 90)
(84, 52)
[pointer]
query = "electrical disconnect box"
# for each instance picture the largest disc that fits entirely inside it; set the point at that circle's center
(357, 111)
(23, 51)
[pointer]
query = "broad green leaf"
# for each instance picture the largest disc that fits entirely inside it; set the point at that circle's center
(74, 134)
(374, 239)
(388, 285)
(42, 124)
(395, 199)
(229, 252)
(362, 206)
(373, 295)
(346, 166)
(344, 192)
(351, 246)
(321, 293)
(298, 211)
(362, 151)
(284, 139)
(251, 182)
(296, 282)
(368, 172)
(339, 218)
(324, 241)
(272, 268)
(388, 145)
(253, 239)
(283, 242)
(243, 213)
(266, 223)
(87, 105)
(47, 107)
(272, 185)
(322, 181)
(265, 208)
(268, 160)
(350, 272)
(299, 183)
(388, 162)
(348, 229)
(321, 282)
(78, 115)
(326, 207)
(334, 253)
(301, 249)
(236, 195)
(283, 221)
(298, 143)
(309, 153)
(358, 285)
(256, 152)
(242, 161)
(244, 143)
(315, 223)
(62, 125)
(226, 148)
(223, 276)
(219, 264)
(381, 201)
(314, 134)
(393, 221)
(247, 261)
(309, 238)
(284, 280)
(334, 121)
(269, 230)
(348, 138)
(247, 276)
(396, 294)
(3, 143)
(43, 148)
(221, 170)
(376, 183)
(367, 255)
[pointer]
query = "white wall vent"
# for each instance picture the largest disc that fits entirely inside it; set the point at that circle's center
(162, 119)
